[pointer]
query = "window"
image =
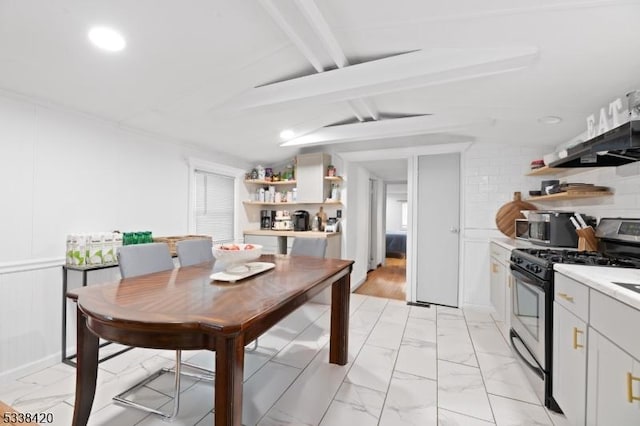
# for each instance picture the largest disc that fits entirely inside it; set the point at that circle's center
(213, 202)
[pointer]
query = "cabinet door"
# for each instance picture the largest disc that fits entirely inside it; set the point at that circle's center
(609, 397)
(569, 363)
(498, 280)
(310, 172)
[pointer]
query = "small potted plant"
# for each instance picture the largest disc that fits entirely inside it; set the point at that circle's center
(331, 170)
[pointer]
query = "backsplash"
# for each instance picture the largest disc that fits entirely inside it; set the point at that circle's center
(492, 173)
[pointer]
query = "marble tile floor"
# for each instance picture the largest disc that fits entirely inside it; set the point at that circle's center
(407, 365)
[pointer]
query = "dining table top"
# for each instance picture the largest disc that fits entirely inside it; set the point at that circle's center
(187, 298)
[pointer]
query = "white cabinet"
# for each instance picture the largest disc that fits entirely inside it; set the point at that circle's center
(596, 379)
(614, 382)
(569, 375)
(500, 286)
(569, 363)
(310, 172)
(613, 386)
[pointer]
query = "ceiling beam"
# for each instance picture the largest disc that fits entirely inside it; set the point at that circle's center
(315, 19)
(383, 129)
(401, 72)
(315, 41)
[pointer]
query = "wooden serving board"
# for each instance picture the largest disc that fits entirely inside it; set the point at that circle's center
(507, 215)
(241, 272)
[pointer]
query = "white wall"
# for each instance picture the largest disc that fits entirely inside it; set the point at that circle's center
(395, 194)
(491, 174)
(65, 172)
(356, 225)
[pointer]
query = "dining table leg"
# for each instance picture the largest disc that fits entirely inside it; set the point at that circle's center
(339, 343)
(86, 370)
(228, 381)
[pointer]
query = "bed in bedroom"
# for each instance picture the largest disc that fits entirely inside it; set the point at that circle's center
(396, 244)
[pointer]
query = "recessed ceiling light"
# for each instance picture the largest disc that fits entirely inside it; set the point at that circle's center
(287, 134)
(550, 119)
(107, 39)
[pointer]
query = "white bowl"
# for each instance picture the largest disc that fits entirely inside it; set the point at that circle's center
(236, 253)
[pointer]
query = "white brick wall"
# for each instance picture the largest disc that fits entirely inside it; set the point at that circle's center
(492, 174)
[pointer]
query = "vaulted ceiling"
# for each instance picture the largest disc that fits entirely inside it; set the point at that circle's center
(231, 75)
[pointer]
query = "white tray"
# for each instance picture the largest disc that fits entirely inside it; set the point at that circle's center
(243, 271)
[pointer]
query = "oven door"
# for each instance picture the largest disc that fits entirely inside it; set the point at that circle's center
(528, 314)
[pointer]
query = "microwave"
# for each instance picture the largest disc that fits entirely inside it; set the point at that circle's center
(522, 229)
(552, 228)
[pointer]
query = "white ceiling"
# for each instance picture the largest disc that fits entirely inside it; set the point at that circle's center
(486, 71)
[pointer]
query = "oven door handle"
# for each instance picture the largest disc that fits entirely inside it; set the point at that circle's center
(534, 367)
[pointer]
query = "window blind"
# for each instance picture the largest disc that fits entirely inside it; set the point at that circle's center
(214, 206)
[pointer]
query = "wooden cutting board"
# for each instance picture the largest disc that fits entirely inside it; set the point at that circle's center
(507, 214)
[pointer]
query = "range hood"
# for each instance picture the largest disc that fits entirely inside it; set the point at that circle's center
(613, 148)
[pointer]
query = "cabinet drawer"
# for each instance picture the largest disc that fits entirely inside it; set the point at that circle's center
(617, 321)
(572, 295)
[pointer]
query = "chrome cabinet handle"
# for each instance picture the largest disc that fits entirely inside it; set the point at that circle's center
(630, 380)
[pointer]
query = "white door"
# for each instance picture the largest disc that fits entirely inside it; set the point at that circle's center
(437, 233)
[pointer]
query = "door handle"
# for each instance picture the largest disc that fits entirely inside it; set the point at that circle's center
(454, 230)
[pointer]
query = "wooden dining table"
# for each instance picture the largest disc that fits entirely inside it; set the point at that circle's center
(185, 309)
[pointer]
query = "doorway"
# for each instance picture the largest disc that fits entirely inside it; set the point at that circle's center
(387, 275)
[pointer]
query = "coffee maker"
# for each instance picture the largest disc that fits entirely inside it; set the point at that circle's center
(301, 220)
(266, 219)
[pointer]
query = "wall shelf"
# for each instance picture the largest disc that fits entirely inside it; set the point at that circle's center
(268, 182)
(571, 195)
(546, 171)
(333, 178)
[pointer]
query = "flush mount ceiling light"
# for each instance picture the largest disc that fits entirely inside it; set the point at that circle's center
(549, 119)
(107, 39)
(287, 134)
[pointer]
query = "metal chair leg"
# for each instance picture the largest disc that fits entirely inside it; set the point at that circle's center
(176, 398)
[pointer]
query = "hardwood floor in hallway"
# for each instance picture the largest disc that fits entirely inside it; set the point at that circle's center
(387, 281)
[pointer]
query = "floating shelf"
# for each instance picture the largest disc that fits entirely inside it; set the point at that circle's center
(268, 182)
(334, 178)
(546, 170)
(571, 195)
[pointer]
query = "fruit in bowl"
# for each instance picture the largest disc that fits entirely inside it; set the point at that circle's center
(236, 253)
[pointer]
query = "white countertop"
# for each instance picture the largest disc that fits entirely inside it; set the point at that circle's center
(511, 243)
(601, 278)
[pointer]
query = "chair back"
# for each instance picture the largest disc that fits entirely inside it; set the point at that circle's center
(142, 259)
(316, 247)
(192, 252)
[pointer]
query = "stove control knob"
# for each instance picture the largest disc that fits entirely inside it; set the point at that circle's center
(518, 261)
(537, 269)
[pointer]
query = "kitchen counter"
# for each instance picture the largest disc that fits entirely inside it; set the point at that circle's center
(511, 243)
(601, 278)
(301, 234)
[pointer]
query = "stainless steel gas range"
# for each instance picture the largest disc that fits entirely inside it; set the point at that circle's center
(533, 290)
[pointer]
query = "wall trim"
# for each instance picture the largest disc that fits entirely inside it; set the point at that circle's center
(31, 265)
